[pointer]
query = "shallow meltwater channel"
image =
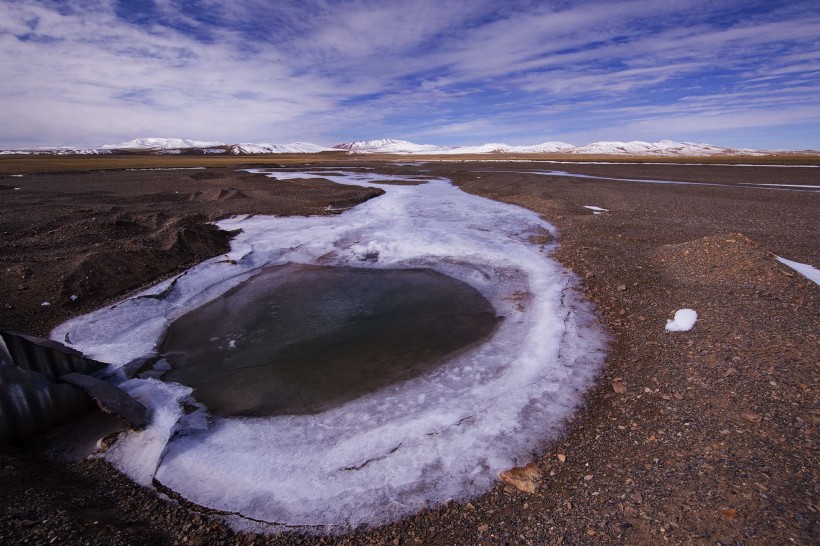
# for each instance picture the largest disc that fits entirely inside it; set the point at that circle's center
(300, 339)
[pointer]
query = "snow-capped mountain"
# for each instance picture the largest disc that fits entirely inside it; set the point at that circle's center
(55, 150)
(162, 146)
(153, 143)
(662, 148)
(543, 148)
(389, 146)
(173, 146)
(393, 146)
(264, 148)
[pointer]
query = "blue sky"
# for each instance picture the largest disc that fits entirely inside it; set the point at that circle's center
(737, 73)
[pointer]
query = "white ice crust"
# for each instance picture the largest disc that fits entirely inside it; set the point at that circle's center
(683, 321)
(445, 435)
(808, 271)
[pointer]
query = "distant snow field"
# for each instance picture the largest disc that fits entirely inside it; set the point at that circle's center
(415, 444)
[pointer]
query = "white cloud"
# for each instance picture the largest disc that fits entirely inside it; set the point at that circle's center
(253, 70)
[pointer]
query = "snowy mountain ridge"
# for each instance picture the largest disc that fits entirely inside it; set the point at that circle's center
(153, 143)
(265, 148)
(636, 147)
(172, 146)
(394, 146)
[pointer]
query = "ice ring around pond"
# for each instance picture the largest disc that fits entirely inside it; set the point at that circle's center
(432, 425)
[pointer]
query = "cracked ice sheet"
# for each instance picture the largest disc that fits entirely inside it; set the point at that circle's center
(411, 445)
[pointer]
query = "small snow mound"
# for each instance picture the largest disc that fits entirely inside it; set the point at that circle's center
(683, 322)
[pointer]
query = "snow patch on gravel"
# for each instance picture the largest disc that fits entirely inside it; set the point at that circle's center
(683, 322)
(808, 271)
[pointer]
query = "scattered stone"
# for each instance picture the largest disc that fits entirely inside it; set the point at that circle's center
(483, 528)
(751, 416)
(561, 457)
(729, 513)
(618, 387)
(525, 478)
(542, 239)
(621, 287)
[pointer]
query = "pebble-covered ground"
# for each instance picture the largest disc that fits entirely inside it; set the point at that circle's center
(701, 437)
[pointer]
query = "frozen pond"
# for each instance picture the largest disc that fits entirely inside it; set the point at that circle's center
(303, 339)
(442, 432)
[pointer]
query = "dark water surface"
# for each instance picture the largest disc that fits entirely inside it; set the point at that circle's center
(299, 339)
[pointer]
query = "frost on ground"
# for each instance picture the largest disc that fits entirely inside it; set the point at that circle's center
(811, 273)
(683, 322)
(444, 435)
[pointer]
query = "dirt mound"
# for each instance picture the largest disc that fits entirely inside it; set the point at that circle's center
(217, 194)
(104, 273)
(208, 175)
(150, 198)
(193, 238)
(730, 260)
(121, 226)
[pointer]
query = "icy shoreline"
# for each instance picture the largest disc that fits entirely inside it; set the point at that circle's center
(413, 445)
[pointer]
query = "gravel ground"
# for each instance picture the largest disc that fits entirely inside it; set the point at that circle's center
(700, 437)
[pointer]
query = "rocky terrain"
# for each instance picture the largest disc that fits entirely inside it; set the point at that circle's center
(699, 437)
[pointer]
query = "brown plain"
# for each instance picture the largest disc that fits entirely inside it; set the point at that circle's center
(708, 438)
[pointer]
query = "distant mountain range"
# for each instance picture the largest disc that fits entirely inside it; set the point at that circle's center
(176, 146)
(173, 146)
(663, 148)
